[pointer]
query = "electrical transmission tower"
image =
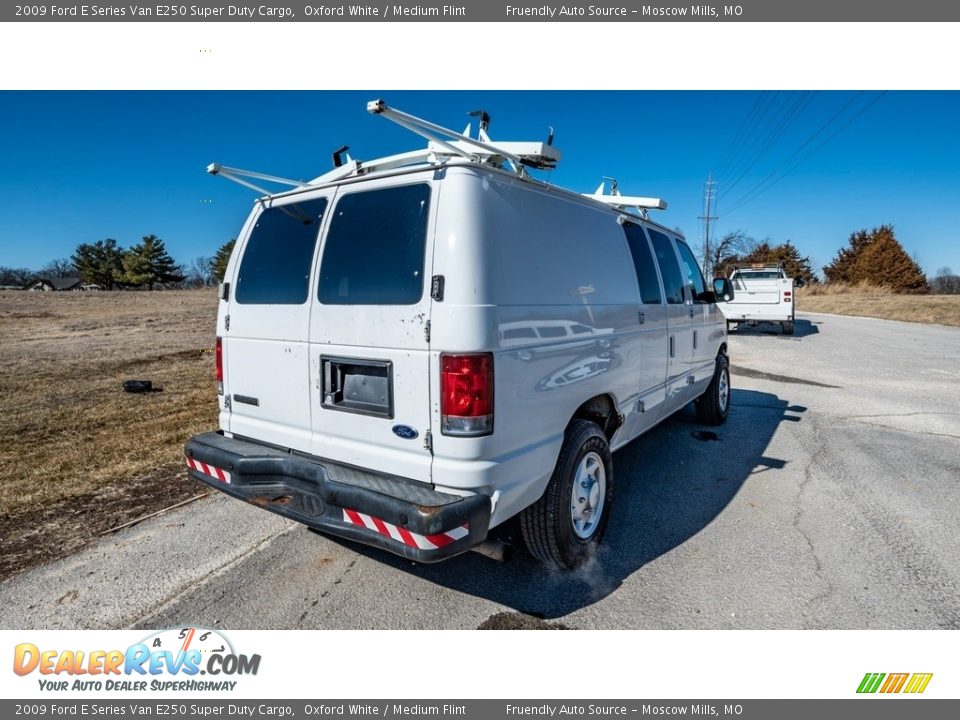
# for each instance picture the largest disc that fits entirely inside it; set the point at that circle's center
(709, 208)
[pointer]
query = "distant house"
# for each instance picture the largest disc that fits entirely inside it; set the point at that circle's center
(54, 284)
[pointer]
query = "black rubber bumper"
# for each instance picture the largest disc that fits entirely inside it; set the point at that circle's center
(405, 517)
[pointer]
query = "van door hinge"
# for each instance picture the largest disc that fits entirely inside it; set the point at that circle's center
(226, 322)
(226, 403)
(436, 288)
(428, 441)
(426, 331)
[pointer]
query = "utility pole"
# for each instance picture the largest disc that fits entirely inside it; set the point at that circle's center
(709, 207)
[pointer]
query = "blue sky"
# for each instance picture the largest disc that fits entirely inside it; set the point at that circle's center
(83, 166)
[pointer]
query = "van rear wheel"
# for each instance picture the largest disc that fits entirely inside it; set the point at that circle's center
(787, 327)
(714, 405)
(565, 526)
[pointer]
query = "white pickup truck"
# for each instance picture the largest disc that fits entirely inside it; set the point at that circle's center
(762, 293)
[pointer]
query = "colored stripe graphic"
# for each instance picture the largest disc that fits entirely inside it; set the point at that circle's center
(895, 683)
(870, 682)
(209, 470)
(918, 683)
(401, 534)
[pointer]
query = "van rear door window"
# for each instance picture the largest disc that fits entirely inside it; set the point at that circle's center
(375, 248)
(275, 269)
(669, 268)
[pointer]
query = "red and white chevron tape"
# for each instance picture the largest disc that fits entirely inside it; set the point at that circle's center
(210, 470)
(400, 534)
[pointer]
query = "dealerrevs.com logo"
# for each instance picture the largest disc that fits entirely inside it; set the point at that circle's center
(171, 660)
(910, 683)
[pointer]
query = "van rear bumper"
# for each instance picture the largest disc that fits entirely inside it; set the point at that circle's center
(407, 518)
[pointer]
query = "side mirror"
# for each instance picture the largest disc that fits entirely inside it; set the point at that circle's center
(798, 282)
(722, 290)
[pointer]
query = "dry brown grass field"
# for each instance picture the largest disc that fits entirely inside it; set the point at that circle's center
(79, 455)
(879, 302)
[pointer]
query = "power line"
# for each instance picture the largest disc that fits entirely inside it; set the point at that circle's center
(806, 142)
(768, 100)
(748, 198)
(787, 118)
(743, 125)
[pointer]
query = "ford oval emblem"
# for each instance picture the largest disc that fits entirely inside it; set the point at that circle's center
(404, 431)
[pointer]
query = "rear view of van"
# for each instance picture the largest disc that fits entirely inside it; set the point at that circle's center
(413, 350)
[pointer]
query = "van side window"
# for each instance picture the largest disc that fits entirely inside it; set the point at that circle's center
(692, 270)
(669, 269)
(375, 247)
(643, 262)
(275, 269)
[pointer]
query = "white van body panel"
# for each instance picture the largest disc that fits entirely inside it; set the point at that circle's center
(266, 354)
(395, 334)
(524, 268)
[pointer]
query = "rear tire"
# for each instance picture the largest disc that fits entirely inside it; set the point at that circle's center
(714, 405)
(787, 327)
(565, 526)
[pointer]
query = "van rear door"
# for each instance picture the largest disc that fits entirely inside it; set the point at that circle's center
(265, 325)
(369, 328)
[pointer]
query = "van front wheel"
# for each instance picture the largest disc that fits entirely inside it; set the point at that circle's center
(714, 405)
(565, 526)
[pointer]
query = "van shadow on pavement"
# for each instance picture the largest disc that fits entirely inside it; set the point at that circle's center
(801, 328)
(669, 484)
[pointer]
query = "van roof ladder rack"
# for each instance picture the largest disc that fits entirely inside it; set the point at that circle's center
(238, 175)
(444, 142)
(625, 202)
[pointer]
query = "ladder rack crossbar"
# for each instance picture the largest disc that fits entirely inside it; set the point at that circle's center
(433, 132)
(237, 175)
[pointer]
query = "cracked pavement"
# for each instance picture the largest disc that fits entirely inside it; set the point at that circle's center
(830, 499)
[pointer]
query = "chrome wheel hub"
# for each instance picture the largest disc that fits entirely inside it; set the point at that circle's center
(589, 494)
(724, 389)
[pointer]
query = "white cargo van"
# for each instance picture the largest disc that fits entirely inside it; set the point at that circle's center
(412, 350)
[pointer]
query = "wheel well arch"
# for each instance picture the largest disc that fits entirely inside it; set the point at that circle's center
(601, 410)
(723, 349)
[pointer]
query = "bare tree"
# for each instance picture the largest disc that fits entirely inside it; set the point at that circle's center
(61, 267)
(732, 245)
(16, 277)
(945, 282)
(199, 272)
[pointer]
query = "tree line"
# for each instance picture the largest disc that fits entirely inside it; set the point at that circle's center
(871, 257)
(146, 264)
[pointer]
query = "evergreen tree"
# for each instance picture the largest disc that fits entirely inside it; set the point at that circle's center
(840, 270)
(785, 254)
(877, 258)
(148, 263)
(885, 262)
(99, 263)
(221, 259)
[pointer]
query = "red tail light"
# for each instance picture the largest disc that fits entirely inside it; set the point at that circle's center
(786, 296)
(466, 394)
(220, 366)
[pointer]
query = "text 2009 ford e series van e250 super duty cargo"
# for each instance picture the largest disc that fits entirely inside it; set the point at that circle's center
(412, 350)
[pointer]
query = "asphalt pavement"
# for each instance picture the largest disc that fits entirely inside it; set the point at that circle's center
(830, 499)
